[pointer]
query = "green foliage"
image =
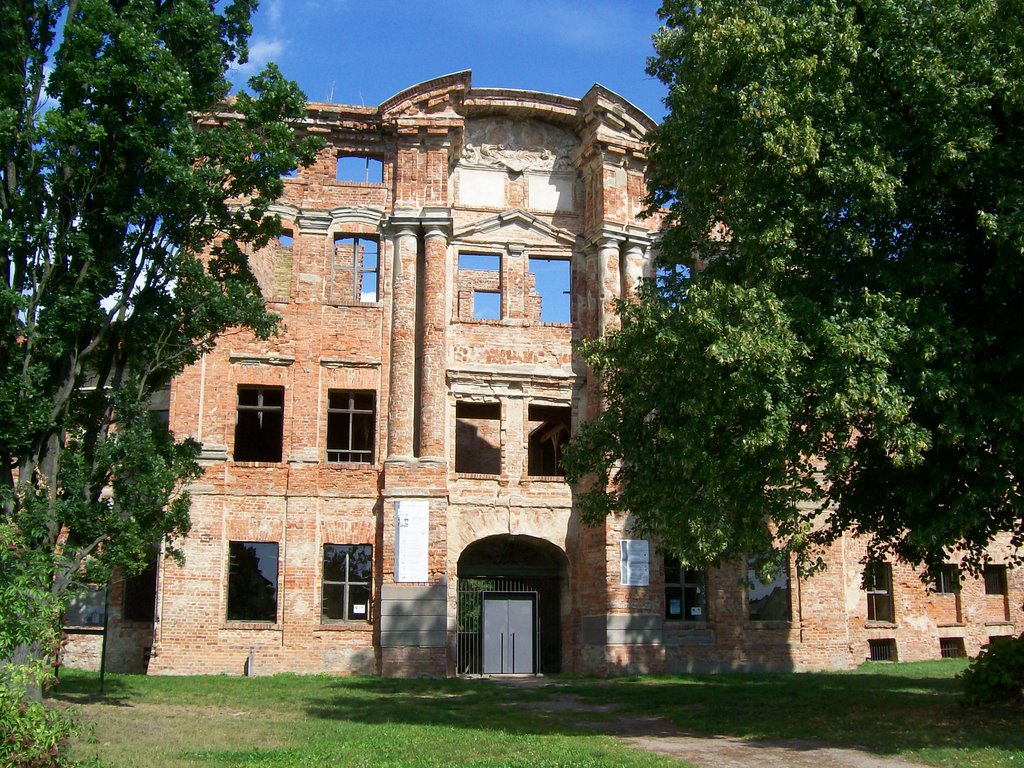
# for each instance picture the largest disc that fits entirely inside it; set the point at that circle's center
(34, 735)
(846, 354)
(131, 186)
(996, 676)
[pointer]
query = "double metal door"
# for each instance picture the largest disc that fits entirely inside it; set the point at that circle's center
(509, 630)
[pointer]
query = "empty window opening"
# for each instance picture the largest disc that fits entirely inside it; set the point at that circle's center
(354, 270)
(486, 305)
(478, 438)
(882, 650)
(952, 647)
(479, 286)
(351, 426)
(259, 424)
(140, 595)
(552, 284)
(995, 580)
(285, 239)
(549, 430)
(252, 581)
(367, 170)
(348, 574)
(768, 597)
(685, 592)
(878, 585)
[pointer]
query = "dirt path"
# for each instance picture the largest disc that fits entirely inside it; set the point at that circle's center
(658, 735)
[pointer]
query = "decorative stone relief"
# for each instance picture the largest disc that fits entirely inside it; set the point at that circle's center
(517, 146)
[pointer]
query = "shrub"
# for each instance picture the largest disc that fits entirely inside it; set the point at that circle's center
(997, 675)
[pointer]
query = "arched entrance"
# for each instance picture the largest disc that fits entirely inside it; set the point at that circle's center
(509, 606)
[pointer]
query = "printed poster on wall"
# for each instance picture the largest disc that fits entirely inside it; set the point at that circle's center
(635, 562)
(412, 528)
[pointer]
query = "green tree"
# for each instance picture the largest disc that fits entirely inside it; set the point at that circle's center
(122, 161)
(847, 356)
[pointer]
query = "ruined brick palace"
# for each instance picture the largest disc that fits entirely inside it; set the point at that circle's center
(382, 488)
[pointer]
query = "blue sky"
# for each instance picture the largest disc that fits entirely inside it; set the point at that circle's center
(362, 52)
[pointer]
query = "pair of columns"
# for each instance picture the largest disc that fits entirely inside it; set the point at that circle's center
(416, 403)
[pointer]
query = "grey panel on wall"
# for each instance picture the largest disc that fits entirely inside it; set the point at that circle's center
(414, 616)
(634, 629)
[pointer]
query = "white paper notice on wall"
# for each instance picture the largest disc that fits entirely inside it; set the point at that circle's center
(412, 528)
(636, 563)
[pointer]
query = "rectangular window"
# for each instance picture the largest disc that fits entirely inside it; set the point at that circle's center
(259, 423)
(140, 595)
(878, 585)
(995, 580)
(882, 650)
(252, 581)
(351, 426)
(946, 579)
(952, 647)
(549, 432)
(685, 592)
(552, 283)
(478, 438)
(479, 286)
(768, 600)
(366, 170)
(354, 270)
(348, 577)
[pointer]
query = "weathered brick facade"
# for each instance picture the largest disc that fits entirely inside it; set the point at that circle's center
(398, 441)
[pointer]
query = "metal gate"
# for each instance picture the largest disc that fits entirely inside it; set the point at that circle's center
(470, 616)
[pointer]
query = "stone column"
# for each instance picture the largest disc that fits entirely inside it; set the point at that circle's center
(433, 387)
(633, 261)
(402, 391)
(609, 283)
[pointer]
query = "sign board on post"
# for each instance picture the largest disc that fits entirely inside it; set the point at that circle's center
(412, 538)
(635, 563)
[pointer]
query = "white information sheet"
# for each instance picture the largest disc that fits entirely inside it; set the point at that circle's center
(412, 529)
(635, 562)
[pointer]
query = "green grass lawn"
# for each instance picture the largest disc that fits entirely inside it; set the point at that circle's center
(284, 721)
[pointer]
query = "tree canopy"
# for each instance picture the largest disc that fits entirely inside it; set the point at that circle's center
(123, 169)
(847, 354)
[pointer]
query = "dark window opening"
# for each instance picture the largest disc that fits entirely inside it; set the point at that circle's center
(549, 431)
(946, 579)
(351, 426)
(552, 280)
(367, 170)
(685, 592)
(882, 650)
(995, 580)
(140, 595)
(252, 581)
(259, 424)
(354, 270)
(768, 600)
(952, 647)
(878, 585)
(348, 576)
(478, 438)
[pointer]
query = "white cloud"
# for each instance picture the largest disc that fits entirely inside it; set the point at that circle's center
(261, 50)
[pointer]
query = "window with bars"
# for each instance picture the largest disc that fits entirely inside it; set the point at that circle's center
(882, 649)
(355, 268)
(347, 582)
(259, 423)
(952, 648)
(685, 592)
(878, 585)
(351, 426)
(995, 580)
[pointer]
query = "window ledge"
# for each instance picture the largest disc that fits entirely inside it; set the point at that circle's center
(251, 625)
(366, 304)
(999, 623)
(950, 624)
(258, 463)
(869, 624)
(477, 476)
(545, 479)
(346, 626)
